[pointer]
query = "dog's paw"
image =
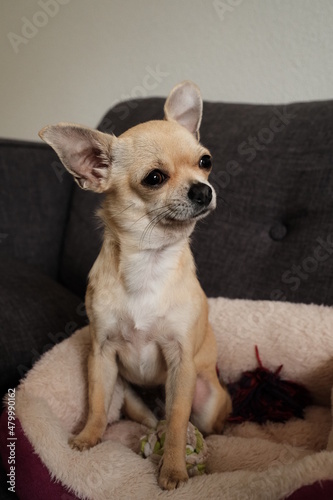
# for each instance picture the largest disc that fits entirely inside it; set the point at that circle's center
(81, 443)
(171, 478)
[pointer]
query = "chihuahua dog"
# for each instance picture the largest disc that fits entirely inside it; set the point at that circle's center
(148, 315)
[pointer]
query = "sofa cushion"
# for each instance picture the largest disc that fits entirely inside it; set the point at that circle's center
(35, 314)
(271, 236)
(34, 203)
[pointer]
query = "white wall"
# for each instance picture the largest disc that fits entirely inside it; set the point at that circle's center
(88, 54)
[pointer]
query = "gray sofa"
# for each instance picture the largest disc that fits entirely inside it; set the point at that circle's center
(270, 238)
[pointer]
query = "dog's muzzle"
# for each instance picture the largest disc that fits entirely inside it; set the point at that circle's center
(197, 204)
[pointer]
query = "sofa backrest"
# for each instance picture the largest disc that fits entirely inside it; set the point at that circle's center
(271, 236)
(34, 204)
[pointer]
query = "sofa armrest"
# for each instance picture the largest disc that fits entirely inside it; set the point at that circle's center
(35, 194)
(35, 314)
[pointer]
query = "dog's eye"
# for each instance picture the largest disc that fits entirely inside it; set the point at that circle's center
(205, 162)
(154, 178)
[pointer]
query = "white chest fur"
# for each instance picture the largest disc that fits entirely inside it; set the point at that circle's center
(146, 277)
(141, 311)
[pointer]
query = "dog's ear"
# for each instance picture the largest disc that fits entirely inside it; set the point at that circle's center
(184, 105)
(86, 153)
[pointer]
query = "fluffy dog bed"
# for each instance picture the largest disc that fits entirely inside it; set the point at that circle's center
(249, 461)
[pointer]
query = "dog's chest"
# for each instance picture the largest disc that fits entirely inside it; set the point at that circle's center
(140, 320)
(147, 283)
(145, 316)
(141, 331)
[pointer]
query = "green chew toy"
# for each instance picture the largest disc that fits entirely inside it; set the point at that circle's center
(152, 446)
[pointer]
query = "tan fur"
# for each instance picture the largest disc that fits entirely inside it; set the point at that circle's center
(148, 314)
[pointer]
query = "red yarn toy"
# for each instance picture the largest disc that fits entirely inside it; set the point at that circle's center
(261, 395)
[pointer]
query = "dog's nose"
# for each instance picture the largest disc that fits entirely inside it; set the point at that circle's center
(201, 194)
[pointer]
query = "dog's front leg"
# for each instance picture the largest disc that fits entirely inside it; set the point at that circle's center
(179, 389)
(102, 376)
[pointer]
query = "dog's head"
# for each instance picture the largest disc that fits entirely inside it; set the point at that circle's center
(155, 175)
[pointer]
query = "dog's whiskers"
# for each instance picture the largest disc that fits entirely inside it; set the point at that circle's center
(129, 206)
(153, 223)
(150, 212)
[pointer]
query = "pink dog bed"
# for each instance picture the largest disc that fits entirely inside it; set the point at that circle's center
(249, 461)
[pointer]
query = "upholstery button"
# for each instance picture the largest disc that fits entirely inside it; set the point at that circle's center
(278, 231)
